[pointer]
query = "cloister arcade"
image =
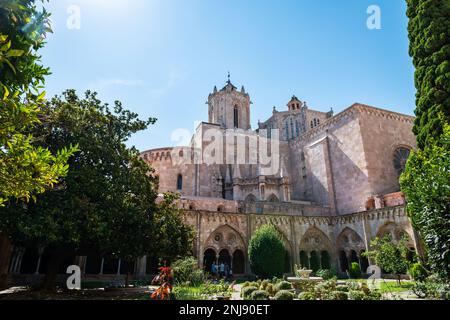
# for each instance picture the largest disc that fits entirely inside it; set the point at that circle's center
(225, 245)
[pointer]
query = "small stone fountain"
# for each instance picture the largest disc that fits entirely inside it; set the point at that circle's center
(303, 275)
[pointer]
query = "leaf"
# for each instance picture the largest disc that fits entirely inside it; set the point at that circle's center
(6, 93)
(14, 53)
(6, 46)
(9, 64)
(41, 96)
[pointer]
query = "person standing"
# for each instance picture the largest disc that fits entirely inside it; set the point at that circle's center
(222, 270)
(213, 269)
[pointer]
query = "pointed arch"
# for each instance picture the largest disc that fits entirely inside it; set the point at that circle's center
(273, 198)
(349, 239)
(315, 239)
(226, 237)
(250, 198)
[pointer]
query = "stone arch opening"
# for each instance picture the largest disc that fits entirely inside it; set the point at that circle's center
(343, 261)
(238, 262)
(314, 261)
(349, 243)
(396, 232)
(209, 257)
(364, 261)
(304, 261)
(229, 243)
(315, 240)
(224, 257)
(325, 260)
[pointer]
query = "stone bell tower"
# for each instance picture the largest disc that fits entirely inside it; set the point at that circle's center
(229, 107)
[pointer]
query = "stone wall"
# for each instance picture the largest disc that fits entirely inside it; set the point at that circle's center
(345, 233)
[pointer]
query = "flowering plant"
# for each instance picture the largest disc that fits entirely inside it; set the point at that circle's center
(164, 279)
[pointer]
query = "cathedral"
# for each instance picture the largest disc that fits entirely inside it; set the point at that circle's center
(328, 182)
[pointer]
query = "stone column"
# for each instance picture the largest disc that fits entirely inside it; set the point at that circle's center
(101, 265)
(17, 262)
(118, 267)
(40, 252)
(367, 234)
(141, 266)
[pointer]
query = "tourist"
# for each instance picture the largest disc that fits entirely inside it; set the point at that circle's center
(213, 269)
(222, 270)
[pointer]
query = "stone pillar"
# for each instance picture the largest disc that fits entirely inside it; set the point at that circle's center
(118, 267)
(101, 265)
(367, 235)
(296, 253)
(40, 252)
(141, 266)
(199, 244)
(17, 260)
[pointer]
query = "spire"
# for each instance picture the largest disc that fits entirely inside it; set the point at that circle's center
(229, 81)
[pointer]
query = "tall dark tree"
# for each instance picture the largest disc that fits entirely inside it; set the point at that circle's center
(426, 180)
(106, 203)
(429, 36)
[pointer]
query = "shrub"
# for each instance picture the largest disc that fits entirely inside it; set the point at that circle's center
(323, 288)
(246, 284)
(326, 274)
(266, 252)
(264, 284)
(304, 285)
(271, 289)
(284, 295)
(336, 295)
(417, 272)
(342, 288)
(306, 296)
(283, 285)
(247, 291)
(356, 295)
(432, 288)
(260, 295)
(354, 271)
(187, 271)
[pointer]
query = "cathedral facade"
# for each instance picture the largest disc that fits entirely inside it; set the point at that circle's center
(328, 182)
(330, 185)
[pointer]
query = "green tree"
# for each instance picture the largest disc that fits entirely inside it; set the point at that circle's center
(169, 221)
(106, 203)
(389, 256)
(25, 169)
(429, 35)
(426, 183)
(426, 180)
(266, 252)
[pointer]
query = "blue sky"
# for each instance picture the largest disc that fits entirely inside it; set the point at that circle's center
(162, 58)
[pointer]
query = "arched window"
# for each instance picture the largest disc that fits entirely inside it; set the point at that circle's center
(400, 157)
(236, 117)
(180, 182)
